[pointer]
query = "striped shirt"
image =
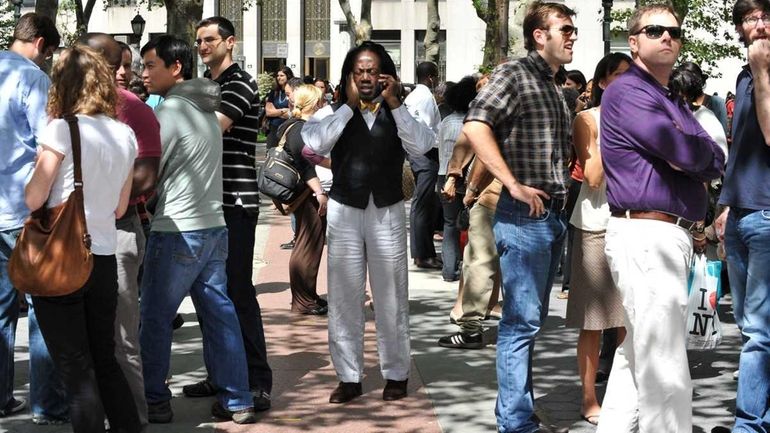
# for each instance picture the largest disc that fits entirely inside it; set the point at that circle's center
(240, 103)
(532, 124)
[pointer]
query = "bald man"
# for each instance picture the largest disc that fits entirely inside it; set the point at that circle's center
(131, 241)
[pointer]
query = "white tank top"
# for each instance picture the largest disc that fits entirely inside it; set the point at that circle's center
(591, 209)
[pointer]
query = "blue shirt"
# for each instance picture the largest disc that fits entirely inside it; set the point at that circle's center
(644, 131)
(23, 97)
(747, 181)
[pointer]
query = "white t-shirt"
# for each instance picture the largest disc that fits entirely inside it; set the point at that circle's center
(107, 152)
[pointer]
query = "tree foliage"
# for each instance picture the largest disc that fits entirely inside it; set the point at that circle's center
(6, 25)
(708, 35)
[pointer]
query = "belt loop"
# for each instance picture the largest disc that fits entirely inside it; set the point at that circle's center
(628, 213)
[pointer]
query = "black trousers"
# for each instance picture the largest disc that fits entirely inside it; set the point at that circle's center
(241, 225)
(425, 207)
(78, 330)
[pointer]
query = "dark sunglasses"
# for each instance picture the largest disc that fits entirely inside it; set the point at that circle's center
(654, 31)
(567, 30)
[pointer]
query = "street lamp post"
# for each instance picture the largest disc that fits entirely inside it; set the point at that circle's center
(607, 5)
(17, 9)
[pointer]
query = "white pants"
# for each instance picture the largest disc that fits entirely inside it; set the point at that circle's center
(649, 389)
(372, 239)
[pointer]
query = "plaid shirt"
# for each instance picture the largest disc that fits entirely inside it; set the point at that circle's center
(530, 120)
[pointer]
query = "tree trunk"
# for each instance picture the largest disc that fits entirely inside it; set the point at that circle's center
(47, 8)
(495, 47)
(432, 31)
(182, 16)
(358, 32)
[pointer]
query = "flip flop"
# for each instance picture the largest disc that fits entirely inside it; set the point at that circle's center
(591, 419)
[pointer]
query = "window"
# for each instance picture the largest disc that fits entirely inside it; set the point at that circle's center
(233, 11)
(419, 51)
(274, 46)
(317, 47)
(391, 40)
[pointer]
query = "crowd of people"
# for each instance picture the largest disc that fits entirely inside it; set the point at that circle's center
(510, 167)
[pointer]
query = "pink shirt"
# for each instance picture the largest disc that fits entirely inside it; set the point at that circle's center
(141, 119)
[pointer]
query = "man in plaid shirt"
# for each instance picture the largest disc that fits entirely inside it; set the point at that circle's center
(519, 127)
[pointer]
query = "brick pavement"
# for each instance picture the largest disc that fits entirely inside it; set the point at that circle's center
(450, 390)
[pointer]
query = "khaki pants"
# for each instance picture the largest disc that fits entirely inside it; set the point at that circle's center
(480, 277)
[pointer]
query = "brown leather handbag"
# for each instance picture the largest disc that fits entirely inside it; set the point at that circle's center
(52, 256)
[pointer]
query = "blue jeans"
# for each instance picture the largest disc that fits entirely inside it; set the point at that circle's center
(747, 242)
(450, 246)
(47, 396)
(191, 262)
(529, 249)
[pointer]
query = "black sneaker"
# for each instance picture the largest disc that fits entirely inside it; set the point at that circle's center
(39, 419)
(204, 388)
(261, 400)
(14, 406)
(462, 340)
(159, 413)
(245, 416)
(288, 245)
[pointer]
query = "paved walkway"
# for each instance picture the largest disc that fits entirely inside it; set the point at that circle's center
(450, 390)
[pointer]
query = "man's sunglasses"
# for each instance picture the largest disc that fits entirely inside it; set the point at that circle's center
(567, 30)
(654, 31)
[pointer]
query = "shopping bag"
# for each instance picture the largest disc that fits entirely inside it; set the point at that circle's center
(704, 331)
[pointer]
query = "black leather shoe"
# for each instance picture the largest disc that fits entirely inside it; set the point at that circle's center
(394, 390)
(320, 310)
(431, 263)
(345, 391)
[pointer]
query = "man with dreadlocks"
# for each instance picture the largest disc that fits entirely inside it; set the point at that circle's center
(367, 133)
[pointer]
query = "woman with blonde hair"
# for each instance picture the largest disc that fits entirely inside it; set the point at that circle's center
(309, 208)
(78, 328)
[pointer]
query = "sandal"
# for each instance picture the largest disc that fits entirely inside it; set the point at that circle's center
(591, 419)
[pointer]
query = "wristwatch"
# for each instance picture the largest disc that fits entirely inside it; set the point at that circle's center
(699, 227)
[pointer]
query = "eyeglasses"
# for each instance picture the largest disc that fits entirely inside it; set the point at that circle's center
(567, 30)
(654, 31)
(209, 41)
(753, 21)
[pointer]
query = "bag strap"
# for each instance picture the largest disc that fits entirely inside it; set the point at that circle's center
(282, 142)
(72, 121)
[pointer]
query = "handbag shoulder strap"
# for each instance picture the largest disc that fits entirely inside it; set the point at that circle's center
(282, 142)
(72, 121)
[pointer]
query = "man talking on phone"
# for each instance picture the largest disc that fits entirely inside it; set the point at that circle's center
(368, 132)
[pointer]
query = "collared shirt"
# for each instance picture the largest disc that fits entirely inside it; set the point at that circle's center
(530, 120)
(747, 181)
(322, 131)
(240, 103)
(646, 132)
(23, 97)
(422, 106)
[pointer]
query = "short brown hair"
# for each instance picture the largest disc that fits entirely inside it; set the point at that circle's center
(32, 25)
(636, 17)
(537, 18)
(81, 83)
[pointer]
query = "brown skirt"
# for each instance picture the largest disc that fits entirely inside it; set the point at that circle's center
(594, 303)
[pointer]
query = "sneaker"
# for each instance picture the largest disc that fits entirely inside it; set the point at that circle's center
(48, 420)
(245, 416)
(462, 340)
(736, 373)
(159, 413)
(204, 388)
(261, 400)
(14, 406)
(288, 245)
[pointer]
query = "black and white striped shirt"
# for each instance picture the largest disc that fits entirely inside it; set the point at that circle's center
(240, 103)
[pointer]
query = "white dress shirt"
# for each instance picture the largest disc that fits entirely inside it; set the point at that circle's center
(422, 106)
(325, 127)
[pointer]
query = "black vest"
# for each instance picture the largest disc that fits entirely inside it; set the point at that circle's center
(368, 162)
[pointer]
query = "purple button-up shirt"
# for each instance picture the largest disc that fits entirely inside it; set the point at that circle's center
(644, 131)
